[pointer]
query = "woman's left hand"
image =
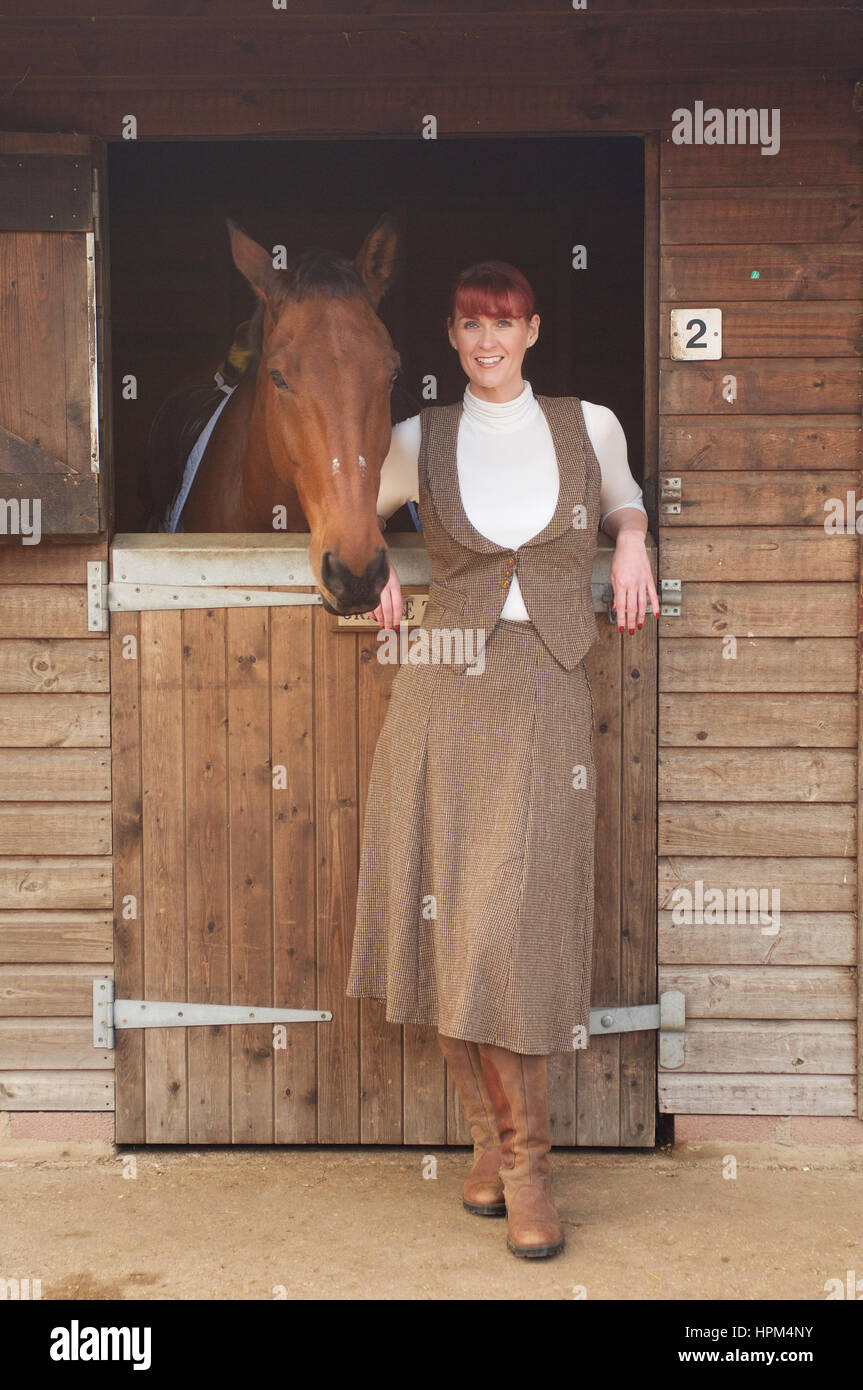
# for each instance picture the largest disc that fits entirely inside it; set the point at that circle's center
(632, 580)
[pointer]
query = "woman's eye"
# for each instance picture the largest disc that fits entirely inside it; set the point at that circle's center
(279, 381)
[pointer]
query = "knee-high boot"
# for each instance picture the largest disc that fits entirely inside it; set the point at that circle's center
(518, 1085)
(483, 1189)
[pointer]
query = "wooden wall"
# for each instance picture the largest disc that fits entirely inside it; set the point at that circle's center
(758, 740)
(759, 768)
(55, 831)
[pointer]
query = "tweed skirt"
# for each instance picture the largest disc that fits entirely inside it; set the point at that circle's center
(476, 878)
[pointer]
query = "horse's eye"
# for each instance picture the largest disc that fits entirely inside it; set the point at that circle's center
(279, 380)
(397, 371)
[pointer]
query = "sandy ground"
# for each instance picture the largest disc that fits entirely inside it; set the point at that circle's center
(366, 1224)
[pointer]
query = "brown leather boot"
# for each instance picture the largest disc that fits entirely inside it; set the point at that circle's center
(483, 1189)
(518, 1085)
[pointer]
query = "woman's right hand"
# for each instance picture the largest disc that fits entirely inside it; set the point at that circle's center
(390, 610)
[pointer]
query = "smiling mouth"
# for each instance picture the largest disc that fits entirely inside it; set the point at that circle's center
(487, 361)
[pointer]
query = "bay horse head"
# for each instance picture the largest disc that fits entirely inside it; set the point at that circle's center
(322, 401)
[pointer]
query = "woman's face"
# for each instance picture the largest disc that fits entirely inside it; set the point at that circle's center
(491, 351)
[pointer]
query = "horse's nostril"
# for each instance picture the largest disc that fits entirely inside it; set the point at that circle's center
(327, 568)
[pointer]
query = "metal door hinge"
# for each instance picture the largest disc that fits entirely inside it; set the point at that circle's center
(140, 598)
(670, 494)
(110, 1013)
(669, 1016)
(97, 596)
(671, 596)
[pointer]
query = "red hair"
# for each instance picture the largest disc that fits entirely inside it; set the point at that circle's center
(493, 288)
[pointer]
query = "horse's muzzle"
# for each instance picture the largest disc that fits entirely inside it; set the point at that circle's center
(350, 592)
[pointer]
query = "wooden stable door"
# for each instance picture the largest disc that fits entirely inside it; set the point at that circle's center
(235, 881)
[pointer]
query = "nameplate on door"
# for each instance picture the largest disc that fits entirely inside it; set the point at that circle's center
(415, 605)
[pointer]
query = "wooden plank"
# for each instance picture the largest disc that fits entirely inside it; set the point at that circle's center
(790, 553)
(29, 991)
(130, 1125)
(11, 379)
(69, 502)
(43, 665)
(62, 561)
(710, 216)
(765, 385)
(320, 105)
(587, 1105)
(798, 1047)
(381, 1043)
(817, 499)
(772, 774)
(381, 45)
(163, 906)
(44, 610)
(47, 881)
(805, 884)
(25, 465)
(757, 720)
(765, 610)
(76, 357)
(337, 826)
(51, 1043)
(817, 159)
(207, 858)
(250, 872)
(56, 1090)
(770, 442)
(424, 1096)
(37, 936)
(800, 271)
(61, 828)
(638, 1051)
(48, 774)
(42, 350)
(689, 1094)
(759, 663)
(764, 992)
(54, 721)
(292, 695)
(417, 11)
(792, 329)
(699, 827)
(804, 938)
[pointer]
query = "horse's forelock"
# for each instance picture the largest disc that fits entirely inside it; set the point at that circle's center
(322, 274)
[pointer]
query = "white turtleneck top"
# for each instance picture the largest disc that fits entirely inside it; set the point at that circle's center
(507, 471)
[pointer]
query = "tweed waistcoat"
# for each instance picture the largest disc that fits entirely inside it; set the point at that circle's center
(472, 574)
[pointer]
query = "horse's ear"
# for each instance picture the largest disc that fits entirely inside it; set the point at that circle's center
(253, 261)
(378, 257)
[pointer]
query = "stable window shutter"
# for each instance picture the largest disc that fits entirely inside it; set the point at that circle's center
(49, 411)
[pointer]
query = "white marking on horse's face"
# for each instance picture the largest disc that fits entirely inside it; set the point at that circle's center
(362, 464)
(335, 465)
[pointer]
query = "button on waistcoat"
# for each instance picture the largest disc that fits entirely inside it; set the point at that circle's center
(472, 574)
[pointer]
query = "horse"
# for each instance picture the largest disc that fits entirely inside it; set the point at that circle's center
(300, 441)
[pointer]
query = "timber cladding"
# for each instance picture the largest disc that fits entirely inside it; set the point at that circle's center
(758, 676)
(758, 737)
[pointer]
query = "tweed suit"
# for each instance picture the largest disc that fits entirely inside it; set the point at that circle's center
(476, 881)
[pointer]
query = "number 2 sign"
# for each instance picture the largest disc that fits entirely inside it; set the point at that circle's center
(696, 334)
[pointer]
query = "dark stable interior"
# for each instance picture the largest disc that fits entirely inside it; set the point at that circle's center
(176, 296)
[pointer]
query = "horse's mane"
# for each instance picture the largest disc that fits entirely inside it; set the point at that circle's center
(313, 274)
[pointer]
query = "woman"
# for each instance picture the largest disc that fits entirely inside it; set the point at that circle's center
(476, 883)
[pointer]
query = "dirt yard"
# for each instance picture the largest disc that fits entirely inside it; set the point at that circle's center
(360, 1224)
